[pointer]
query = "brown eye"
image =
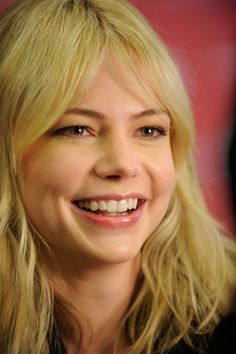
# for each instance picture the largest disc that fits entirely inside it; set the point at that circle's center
(77, 130)
(152, 132)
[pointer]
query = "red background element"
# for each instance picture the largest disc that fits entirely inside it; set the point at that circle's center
(201, 36)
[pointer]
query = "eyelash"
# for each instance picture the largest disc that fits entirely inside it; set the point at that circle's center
(157, 131)
(71, 131)
(79, 130)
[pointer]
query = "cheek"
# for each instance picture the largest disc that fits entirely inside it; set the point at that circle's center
(52, 173)
(164, 175)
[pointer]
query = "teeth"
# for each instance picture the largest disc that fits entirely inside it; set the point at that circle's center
(135, 203)
(130, 203)
(111, 206)
(122, 206)
(102, 205)
(94, 206)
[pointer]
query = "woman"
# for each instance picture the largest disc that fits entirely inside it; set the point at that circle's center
(106, 243)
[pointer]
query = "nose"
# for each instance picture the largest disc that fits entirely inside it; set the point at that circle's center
(119, 159)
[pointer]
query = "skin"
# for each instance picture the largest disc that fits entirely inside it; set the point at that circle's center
(115, 155)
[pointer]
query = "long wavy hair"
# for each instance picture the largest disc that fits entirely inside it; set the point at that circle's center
(50, 53)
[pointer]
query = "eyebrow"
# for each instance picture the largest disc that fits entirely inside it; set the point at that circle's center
(95, 114)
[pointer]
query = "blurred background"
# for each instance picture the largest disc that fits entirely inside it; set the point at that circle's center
(201, 35)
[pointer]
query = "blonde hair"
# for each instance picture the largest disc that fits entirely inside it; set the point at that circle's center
(50, 52)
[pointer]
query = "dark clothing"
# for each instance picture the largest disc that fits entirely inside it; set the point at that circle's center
(222, 340)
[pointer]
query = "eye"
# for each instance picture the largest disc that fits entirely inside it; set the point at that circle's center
(74, 131)
(150, 132)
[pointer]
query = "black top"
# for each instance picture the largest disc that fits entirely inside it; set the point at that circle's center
(222, 341)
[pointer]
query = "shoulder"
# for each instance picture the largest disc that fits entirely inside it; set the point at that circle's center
(223, 339)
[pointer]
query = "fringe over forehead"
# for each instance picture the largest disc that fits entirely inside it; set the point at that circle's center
(52, 50)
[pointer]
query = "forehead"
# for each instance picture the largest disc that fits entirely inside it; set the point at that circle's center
(115, 79)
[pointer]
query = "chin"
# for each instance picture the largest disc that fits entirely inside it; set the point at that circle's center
(121, 255)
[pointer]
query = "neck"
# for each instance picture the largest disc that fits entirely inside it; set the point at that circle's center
(102, 294)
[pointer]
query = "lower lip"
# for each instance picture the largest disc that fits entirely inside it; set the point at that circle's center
(113, 222)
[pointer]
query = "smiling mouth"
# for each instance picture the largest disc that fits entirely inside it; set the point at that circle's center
(110, 207)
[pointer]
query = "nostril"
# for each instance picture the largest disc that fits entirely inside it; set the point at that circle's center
(114, 177)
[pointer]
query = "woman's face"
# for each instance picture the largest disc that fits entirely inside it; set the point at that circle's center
(99, 182)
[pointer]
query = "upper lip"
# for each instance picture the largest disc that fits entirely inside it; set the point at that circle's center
(113, 196)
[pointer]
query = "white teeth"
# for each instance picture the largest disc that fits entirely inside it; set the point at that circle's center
(111, 206)
(94, 206)
(102, 205)
(130, 203)
(135, 203)
(122, 206)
